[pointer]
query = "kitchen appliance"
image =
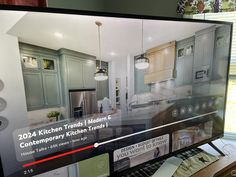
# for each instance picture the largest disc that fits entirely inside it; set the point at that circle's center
(82, 102)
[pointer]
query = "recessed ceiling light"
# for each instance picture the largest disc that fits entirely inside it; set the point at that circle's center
(112, 53)
(58, 35)
(150, 38)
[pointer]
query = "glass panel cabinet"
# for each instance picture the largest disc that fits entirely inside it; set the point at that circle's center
(29, 62)
(48, 64)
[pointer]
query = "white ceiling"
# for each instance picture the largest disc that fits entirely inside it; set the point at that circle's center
(8, 19)
(118, 35)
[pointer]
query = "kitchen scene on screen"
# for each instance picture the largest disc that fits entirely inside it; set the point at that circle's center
(134, 70)
(142, 74)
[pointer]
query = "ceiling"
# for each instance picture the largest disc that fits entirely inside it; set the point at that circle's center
(119, 37)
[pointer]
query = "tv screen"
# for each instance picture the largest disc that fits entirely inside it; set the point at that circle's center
(96, 94)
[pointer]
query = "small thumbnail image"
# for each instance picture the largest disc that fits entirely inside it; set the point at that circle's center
(191, 135)
(139, 153)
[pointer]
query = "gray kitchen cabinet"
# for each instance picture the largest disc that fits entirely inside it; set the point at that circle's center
(75, 73)
(221, 54)
(184, 61)
(89, 68)
(102, 86)
(203, 60)
(203, 54)
(33, 90)
(51, 89)
(42, 83)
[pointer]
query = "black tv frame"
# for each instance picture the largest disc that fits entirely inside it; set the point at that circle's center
(133, 16)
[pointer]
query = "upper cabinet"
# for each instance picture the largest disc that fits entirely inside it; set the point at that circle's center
(89, 68)
(184, 61)
(77, 69)
(221, 54)
(41, 77)
(75, 73)
(203, 55)
(162, 63)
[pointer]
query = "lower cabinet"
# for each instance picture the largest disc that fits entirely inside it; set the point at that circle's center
(33, 90)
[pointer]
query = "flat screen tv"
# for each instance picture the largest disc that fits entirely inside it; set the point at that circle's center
(96, 94)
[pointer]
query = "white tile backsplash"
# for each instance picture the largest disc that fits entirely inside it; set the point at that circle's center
(38, 116)
(163, 91)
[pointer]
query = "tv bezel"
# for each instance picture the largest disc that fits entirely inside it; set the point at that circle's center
(133, 16)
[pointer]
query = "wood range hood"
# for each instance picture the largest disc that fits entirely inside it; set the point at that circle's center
(162, 63)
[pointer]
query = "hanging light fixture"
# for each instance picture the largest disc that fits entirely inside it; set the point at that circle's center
(142, 62)
(101, 73)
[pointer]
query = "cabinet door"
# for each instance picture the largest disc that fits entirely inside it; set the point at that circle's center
(184, 62)
(221, 53)
(198, 52)
(51, 89)
(75, 76)
(204, 49)
(152, 59)
(168, 56)
(33, 90)
(158, 62)
(89, 68)
(208, 41)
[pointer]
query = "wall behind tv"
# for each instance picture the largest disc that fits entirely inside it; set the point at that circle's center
(144, 7)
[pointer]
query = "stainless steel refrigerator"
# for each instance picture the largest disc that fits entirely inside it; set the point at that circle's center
(82, 102)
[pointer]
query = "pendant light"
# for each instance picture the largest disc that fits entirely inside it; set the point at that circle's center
(142, 62)
(101, 73)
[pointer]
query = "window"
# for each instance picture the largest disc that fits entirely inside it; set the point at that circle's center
(230, 121)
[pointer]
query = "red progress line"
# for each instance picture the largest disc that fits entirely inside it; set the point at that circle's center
(58, 156)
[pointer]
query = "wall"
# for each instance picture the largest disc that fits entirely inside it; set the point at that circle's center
(14, 94)
(118, 69)
(144, 7)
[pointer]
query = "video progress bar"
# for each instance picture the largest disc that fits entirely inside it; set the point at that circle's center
(110, 141)
(58, 156)
(152, 129)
